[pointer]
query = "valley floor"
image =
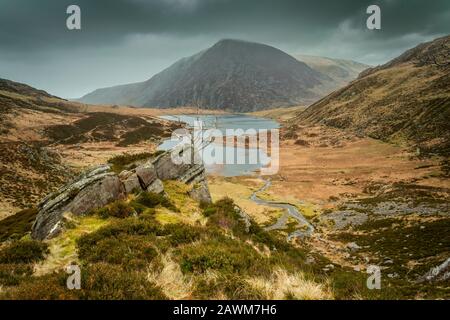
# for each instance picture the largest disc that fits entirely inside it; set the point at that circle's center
(372, 203)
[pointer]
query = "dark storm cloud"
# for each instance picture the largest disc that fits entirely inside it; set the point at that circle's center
(129, 40)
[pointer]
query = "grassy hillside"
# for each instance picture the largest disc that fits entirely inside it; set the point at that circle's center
(279, 114)
(157, 247)
(40, 132)
(406, 101)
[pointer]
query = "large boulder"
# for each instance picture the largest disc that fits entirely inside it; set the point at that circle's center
(191, 174)
(166, 169)
(101, 186)
(92, 190)
(97, 195)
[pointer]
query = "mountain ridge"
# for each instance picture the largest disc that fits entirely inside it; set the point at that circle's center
(232, 74)
(404, 100)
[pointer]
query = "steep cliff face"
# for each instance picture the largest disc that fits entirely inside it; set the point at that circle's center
(101, 186)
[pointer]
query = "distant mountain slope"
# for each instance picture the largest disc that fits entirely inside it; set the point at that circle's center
(18, 96)
(232, 74)
(22, 89)
(15, 97)
(406, 100)
(340, 71)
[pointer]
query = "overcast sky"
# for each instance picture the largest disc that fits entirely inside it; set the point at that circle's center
(125, 41)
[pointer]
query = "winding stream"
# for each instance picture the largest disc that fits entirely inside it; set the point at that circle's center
(291, 211)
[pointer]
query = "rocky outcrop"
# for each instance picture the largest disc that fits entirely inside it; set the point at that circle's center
(91, 190)
(101, 186)
(191, 174)
(438, 273)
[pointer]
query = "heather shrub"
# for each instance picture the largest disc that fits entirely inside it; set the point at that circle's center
(221, 254)
(182, 234)
(99, 281)
(23, 251)
(129, 251)
(151, 200)
(13, 274)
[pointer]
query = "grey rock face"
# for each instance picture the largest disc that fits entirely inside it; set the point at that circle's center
(345, 218)
(200, 192)
(91, 190)
(125, 174)
(156, 187)
(97, 195)
(353, 246)
(438, 273)
(132, 184)
(245, 218)
(191, 174)
(100, 186)
(146, 174)
(166, 169)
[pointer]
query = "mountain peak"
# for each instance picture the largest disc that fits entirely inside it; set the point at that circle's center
(233, 74)
(231, 41)
(248, 46)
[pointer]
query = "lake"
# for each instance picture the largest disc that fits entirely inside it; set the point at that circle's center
(222, 123)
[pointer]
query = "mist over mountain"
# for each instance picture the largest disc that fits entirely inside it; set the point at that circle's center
(341, 71)
(232, 74)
